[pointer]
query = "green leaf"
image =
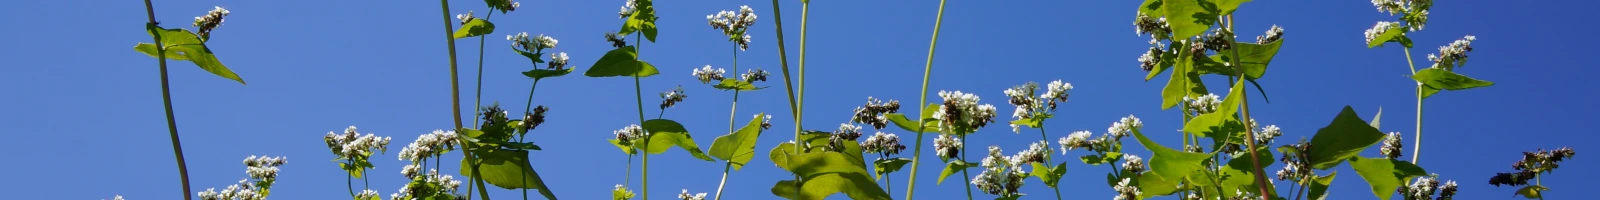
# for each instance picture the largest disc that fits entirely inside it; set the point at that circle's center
(150, 50)
(1255, 57)
(779, 155)
(621, 62)
(827, 173)
(508, 169)
(191, 47)
(1109, 158)
(1384, 174)
(730, 84)
(886, 166)
(548, 73)
(1153, 186)
(643, 20)
(1187, 17)
(1532, 192)
(1225, 111)
(474, 28)
(740, 146)
(1375, 118)
(1170, 163)
(899, 120)
(1176, 87)
(625, 148)
(1032, 121)
(1319, 186)
(1440, 79)
(664, 134)
(1227, 6)
(1240, 171)
(1152, 8)
(1345, 137)
(1050, 176)
(955, 165)
(1394, 34)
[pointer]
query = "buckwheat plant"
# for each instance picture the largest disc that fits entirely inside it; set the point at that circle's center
(1531, 167)
(1032, 110)
(686, 196)
(182, 44)
(733, 24)
(886, 145)
(351, 150)
(1424, 188)
(1002, 175)
(263, 172)
(1412, 16)
(959, 115)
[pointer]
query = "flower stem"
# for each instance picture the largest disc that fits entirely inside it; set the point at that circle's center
(166, 99)
(348, 187)
(639, 97)
(478, 101)
(725, 168)
(916, 156)
(1250, 134)
(1047, 159)
(527, 108)
(783, 58)
(731, 113)
(965, 178)
(1416, 146)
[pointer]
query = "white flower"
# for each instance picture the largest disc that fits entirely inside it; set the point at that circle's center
(366, 194)
(630, 133)
(559, 57)
(1133, 163)
(946, 146)
(685, 195)
(707, 74)
(1057, 90)
(1379, 29)
(1124, 127)
(1078, 139)
(1453, 55)
(884, 143)
(1392, 145)
(410, 171)
(1204, 104)
(429, 145)
(628, 7)
(465, 17)
(1126, 191)
(1267, 134)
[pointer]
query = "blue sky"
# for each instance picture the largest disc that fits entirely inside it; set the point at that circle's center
(86, 118)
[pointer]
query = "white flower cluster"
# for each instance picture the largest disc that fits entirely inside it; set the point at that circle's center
(733, 24)
(1414, 12)
(446, 183)
(946, 146)
(628, 7)
(1078, 139)
(1453, 55)
(961, 110)
(766, 121)
(534, 44)
(1149, 59)
(1037, 152)
(367, 194)
(1422, 187)
(1293, 171)
(1267, 134)
(1133, 163)
(672, 97)
(1000, 176)
(1204, 104)
(628, 134)
(1379, 29)
(558, 60)
(882, 143)
(707, 74)
(352, 145)
(411, 170)
(465, 17)
(118, 197)
(505, 5)
(1273, 34)
(873, 112)
(209, 21)
(1392, 145)
(1124, 127)
(1126, 191)
(429, 145)
(1156, 27)
(244, 190)
(1028, 106)
(263, 168)
(753, 75)
(1057, 90)
(686, 196)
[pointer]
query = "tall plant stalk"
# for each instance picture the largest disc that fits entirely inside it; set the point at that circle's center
(166, 100)
(478, 101)
(639, 97)
(916, 155)
(965, 178)
(1416, 146)
(455, 97)
(732, 113)
(1250, 133)
(1047, 158)
(783, 58)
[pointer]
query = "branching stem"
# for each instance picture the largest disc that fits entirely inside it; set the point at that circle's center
(916, 155)
(166, 99)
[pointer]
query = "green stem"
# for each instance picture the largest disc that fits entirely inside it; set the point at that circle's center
(725, 168)
(965, 178)
(478, 101)
(1047, 159)
(916, 155)
(365, 184)
(627, 178)
(1250, 134)
(166, 99)
(732, 112)
(639, 97)
(1538, 181)
(783, 57)
(1416, 146)
(527, 108)
(348, 187)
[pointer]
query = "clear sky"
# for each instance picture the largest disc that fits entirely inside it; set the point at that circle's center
(86, 122)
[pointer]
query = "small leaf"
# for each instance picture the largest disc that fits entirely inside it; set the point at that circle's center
(1224, 112)
(1393, 34)
(664, 134)
(899, 120)
(738, 147)
(1384, 174)
(474, 28)
(1345, 137)
(508, 169)
(1440, 79)
(150, 50)
(886, 166)
(1050, 176)
(191, 48)
(1170, 163)
(1319, 186)
(1531, 192)
(1255, 57)
(625, 148)
(1375, 118)
(548, 73)
(730, 84)
(621, 62)
(1032, 121)
(955, 165)
(1109, 158)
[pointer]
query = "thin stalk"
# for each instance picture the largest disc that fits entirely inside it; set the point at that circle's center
(365, 184)
(525, 108)
(965, 178)
(348, 187)
(478, 101)
(639, 97)
(166, 99)
(1302, 189)
(1250, 134)
(627, 178)
(529, 107)
(1416, 146)
(783, 57)
(1047, 159)
(1537, 181)
(725, 168)
(916, 155)
(731, 113)
(888, 183)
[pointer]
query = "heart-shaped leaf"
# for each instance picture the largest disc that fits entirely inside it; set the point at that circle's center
(740, 146)
(955, 165)
(475, 27)
(1435, 79)
(1384, 174)
(508, 169)
(1342, 139)
(621, 62)
(665, 134)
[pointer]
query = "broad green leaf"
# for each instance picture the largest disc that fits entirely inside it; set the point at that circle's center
(1152, 8)
(643, 20)
(738, 147)
(621, 62)
(537, 74)
(1187, 17)
(191, 48)
(1050, 176)
(730, 84)
(1225, 111)
(1240, 172)
(1384, 174)
(1227, 6)
(1177, 85)
(1394, 34)
(664, 134)
(955, 165)
(1532, 192)
(1345, 137)
(1255, 57)
(508, 169)
(779, 155)
(1376, 117)
(827, 173)
(625, 148)
(1109, 158)
(150, 50)
(1319, 186)
(1153, 186)
(474, 28)
(1171, 163)
(886, 166)
(927, 113)
(1440, 79)
(899, 120)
